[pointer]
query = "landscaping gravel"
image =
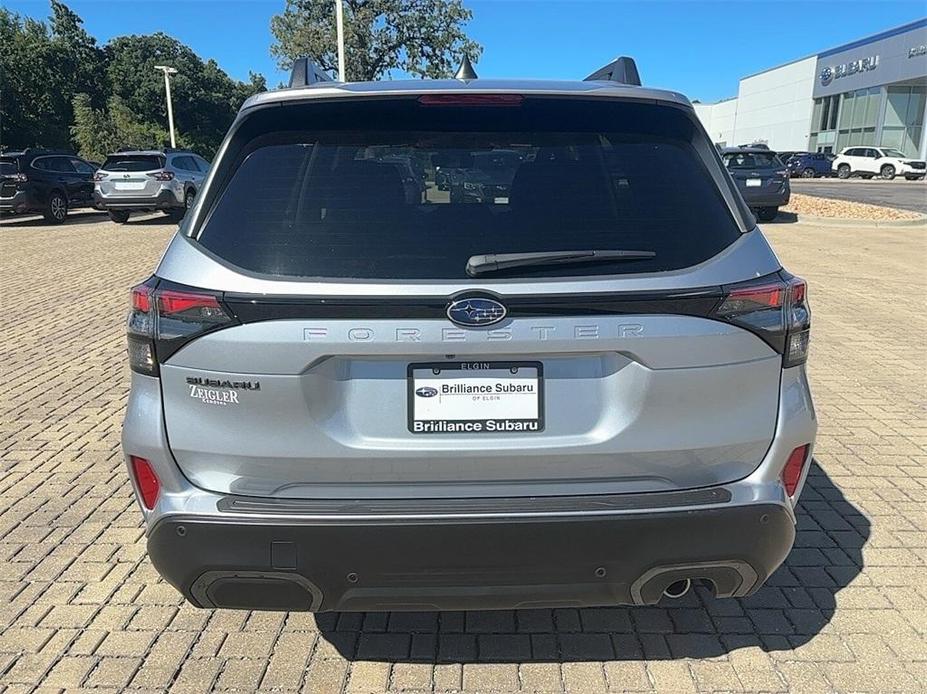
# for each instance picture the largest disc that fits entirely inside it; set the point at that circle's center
(808, 206)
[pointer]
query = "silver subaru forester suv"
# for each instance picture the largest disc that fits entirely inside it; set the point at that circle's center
(583, 386)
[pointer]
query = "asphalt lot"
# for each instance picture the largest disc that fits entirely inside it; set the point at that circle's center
(81, 607)
(905, 195)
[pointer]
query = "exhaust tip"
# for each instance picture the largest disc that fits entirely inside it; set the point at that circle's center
(677, 589)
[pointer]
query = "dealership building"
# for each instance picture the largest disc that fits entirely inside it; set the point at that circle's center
(869, 92)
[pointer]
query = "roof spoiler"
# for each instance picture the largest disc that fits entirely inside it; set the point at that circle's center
(622, 70)
(306, 72)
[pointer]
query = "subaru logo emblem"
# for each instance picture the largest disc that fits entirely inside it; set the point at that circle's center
(475, 311)
(827, 76)
(426, 392)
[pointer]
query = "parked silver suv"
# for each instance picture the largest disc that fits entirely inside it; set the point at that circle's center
(143, 181)
(585, 386)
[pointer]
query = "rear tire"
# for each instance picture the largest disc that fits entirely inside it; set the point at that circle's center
(767, 214)
(189, 198)
(808, 173)
(843, 171)
(119, 216)
(887, 172)
(56, 209)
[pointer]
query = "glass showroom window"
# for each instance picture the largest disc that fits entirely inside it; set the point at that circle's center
(859, 113)
(904, 119)
(824, 123)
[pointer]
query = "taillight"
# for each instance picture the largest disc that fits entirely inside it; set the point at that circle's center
(471, 99)
(798, 320)
(794, 467)
(164, 318)
(99, 176)
(774, 308)
(140, 331)
(162, 175)
(146, 481)
(20, 178)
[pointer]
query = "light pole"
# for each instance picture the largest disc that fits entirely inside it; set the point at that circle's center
(339, 21)
(168, 71)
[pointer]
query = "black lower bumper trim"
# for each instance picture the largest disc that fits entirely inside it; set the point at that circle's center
(774, 200)
(456, 564)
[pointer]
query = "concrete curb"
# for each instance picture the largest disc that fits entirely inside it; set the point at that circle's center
(861, 223)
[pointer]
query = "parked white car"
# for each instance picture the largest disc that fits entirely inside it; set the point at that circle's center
(878, 161)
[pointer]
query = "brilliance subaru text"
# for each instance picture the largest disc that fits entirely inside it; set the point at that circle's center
(584, 386)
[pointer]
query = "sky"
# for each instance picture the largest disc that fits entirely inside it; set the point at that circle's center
(698, 48)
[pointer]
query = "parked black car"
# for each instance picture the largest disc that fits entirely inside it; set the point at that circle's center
(762, 179)
(49, 182)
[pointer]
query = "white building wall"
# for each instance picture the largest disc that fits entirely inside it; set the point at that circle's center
(775, 106)
(718, 120)
(772, 107)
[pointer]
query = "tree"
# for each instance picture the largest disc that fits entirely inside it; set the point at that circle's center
(419, 37)
(42, 67)
(97, 132)
(56, 84)
(205, 98)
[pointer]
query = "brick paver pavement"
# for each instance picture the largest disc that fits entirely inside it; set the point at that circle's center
(80, 607)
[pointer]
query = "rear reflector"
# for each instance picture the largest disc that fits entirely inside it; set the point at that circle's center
(471, 99)
(146, 481)
(794, 466)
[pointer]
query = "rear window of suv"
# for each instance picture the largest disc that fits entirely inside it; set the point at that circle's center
(133, 162)
(751, 160)
(397, 189)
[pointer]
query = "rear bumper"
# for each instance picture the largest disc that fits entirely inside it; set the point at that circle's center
(474, 553)
(164, 200)
(455, 563)
(20, 201)
(768, 198)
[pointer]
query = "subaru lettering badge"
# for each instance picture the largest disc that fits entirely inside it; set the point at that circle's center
(475, 311)
(426, 392)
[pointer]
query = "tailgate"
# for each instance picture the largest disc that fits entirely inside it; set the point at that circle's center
(297, 408)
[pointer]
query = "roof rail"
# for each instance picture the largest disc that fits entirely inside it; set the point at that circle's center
(306, 72)
(622, 70)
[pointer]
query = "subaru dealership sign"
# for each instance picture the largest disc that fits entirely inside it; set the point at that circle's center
(876, 61)
(829, 74)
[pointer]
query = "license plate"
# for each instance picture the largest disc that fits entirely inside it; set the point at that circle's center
(754, 182)
(130, 185)
(476, 398)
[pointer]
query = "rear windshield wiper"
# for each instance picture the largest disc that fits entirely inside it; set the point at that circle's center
(493, 262)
